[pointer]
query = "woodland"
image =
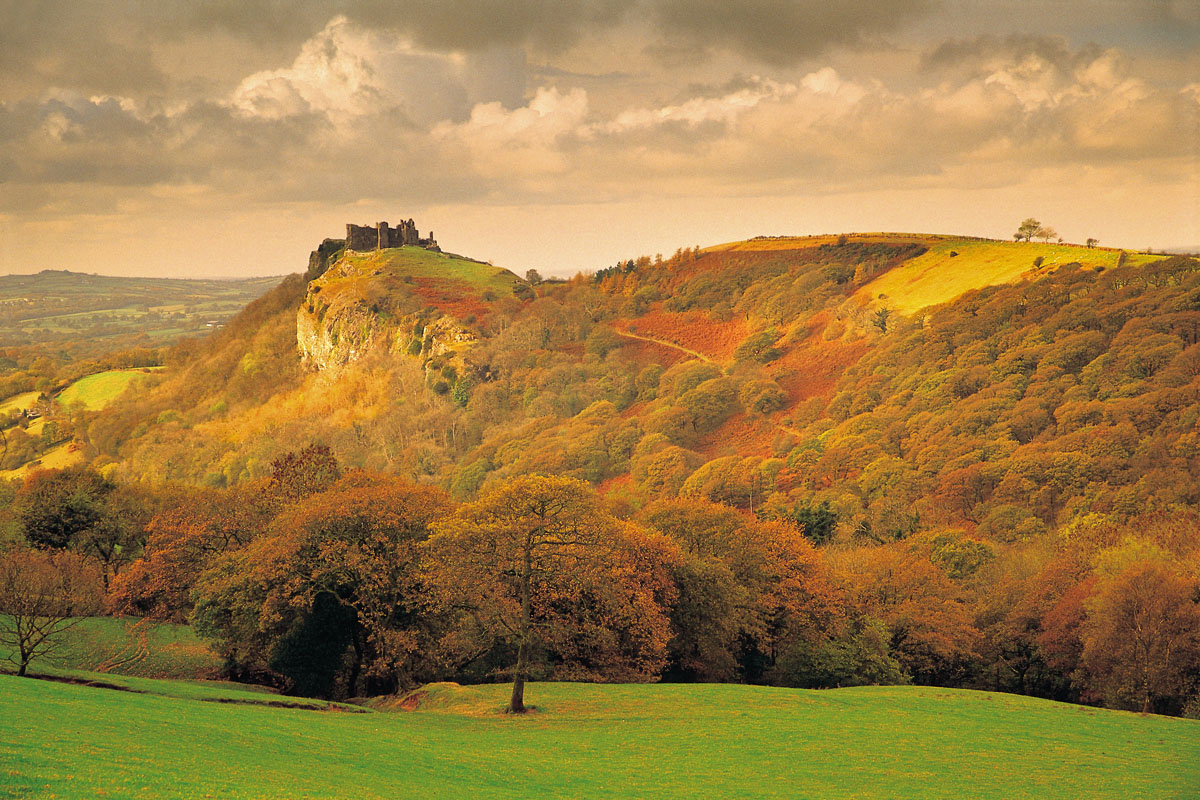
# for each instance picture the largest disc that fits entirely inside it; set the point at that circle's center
(729, 465)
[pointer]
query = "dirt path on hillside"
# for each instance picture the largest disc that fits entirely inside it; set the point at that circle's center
(664, 343)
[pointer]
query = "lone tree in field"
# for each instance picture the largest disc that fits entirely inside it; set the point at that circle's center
(1028, 229)
(537, 564)
(43, 594)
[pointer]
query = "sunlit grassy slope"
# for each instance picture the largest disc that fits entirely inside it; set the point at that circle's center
(416, 262)
(58, 457)
(18, 402)
(128, 646)
(938, 277)
(771, 243)
(97, 391)
(669, 741)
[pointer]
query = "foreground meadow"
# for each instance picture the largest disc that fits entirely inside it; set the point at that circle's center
(70, 741)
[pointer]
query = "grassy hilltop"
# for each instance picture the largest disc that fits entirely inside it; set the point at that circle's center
(644, 741)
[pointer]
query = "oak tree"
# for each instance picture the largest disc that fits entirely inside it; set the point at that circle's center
(537, 562)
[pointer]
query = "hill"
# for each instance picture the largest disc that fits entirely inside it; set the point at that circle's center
(365, 298)
(975, 473)
(589, 741)
(428, 365)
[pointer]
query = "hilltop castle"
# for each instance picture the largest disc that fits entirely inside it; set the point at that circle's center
(380, 237)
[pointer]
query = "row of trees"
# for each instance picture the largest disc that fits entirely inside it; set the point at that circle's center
(333, 584)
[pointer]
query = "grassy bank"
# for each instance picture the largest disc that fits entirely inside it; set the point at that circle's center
(71, 741)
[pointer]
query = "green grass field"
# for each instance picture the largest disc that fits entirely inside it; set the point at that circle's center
(128, 646)
(644, 741)
(420, 263)
(937, 277)
(97, 391)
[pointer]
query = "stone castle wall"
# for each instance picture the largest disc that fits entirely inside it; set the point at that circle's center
(382, 236)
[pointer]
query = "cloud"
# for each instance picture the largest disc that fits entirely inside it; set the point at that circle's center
(355, 114)
(782, 31)
(346, 71)
(139, 48)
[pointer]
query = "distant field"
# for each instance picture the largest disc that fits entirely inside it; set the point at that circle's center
(56, 305)
(97, 391)
(643, 741)
(938, 277)
(58, 457)
(20, 402)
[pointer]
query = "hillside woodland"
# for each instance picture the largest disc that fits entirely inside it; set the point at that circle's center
(809, 462)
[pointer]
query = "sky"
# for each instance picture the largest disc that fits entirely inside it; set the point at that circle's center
(228, 138)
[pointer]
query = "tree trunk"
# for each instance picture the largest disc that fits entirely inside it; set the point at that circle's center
(516, 705)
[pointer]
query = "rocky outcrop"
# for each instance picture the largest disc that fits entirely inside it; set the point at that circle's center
(331, 339)
(350, 311)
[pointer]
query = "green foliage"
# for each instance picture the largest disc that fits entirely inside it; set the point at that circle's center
(684, 377)
(760, 347)
(861, 657)
(601, 341)
(959, 556)
(57, 508)
(762, 396)
(817, 523)
(710, 403)
(647, 381)
(461, 393)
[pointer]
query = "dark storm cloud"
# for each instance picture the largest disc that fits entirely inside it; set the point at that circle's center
(124, 46)
(981, 52)
(782, 31)
(80, 141)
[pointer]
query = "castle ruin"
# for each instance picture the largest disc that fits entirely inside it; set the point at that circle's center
(363, 238)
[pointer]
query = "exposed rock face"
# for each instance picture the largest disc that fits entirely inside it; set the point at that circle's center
(331, 339)
(319, 259)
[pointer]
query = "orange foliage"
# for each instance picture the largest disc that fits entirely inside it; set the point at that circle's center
(813, 368)
(450, 297)
(930, 624)
(695, 330)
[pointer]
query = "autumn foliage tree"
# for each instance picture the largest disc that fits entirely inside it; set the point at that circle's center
(748, 590)
(195, 527)
(1141, 636)
(329, 593)
(538, 562)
